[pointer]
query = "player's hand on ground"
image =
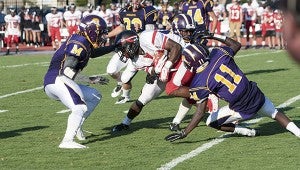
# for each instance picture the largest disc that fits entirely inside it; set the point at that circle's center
(99, 80)
(175, 136)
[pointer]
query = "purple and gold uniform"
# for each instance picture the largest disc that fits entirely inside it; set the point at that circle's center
(137, 21)
(224, 78)
(199, 12)
(76, 46)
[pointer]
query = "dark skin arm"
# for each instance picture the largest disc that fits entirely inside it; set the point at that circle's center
(197, 117)
(174, 50)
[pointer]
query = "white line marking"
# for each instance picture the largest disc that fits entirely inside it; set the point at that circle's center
(247, 55)
(2, 111)
(215, 141)
(28, 64)
(64, 111)
(20, 92)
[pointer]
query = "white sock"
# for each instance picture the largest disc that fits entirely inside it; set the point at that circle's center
(74, 122)
(127, 121)
(253, 43)
(263, 43)
(293, 128)
(126, 93)
(183, 109)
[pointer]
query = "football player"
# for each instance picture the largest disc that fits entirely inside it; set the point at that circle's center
(216, 72)
(164, 71)
(12, 33)
(137, 18)
(67, 62)
(72, 18)
(201, 11)
(54, 24)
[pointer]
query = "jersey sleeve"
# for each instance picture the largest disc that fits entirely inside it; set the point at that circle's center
(153, 40)
(75, 49)
(151, 15)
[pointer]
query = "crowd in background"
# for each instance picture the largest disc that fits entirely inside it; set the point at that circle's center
(244, 21)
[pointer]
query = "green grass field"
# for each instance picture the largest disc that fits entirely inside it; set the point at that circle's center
(31, 129)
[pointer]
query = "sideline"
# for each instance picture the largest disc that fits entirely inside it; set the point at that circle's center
(215, 141)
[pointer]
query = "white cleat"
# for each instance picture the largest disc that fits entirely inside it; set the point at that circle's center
(123, 100)
(117, 91)
(253, 133)
(80, 135)
(71, 145)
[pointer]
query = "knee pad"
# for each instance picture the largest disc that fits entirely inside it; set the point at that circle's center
(79, 109)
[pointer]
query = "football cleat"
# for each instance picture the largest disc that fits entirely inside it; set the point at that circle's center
(71, 145)
(117, 91)
(252, 133)
(120, 127)
(174, 127)
(80, 135)
(123, 100)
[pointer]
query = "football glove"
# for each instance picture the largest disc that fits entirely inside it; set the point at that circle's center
(164, 74)
(98, 80)
(175, 136)
(200, 35)
(151, 78)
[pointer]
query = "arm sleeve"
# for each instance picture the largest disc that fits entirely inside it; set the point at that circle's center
(98, 52)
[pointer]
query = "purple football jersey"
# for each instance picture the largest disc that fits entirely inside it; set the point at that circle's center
(199, 12)
(144, 16)
(77, 46)
(225, 79)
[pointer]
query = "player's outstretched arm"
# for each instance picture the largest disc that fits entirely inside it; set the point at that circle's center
(198, 115)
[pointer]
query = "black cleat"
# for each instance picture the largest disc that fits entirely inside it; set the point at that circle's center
(120, 127)
(174, 127)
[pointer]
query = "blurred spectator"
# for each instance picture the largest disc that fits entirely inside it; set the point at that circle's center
(220, 13)
(235, 20)
(176, 9)
(270, 27)
(107, 15)
(12, 34)
(249, 12)
(72, 18)
(90, 11)
(116, 17)
(278, 21)
(28, 26)
(36, 30)
(54, 24)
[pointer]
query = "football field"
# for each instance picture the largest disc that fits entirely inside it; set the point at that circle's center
(32, 125)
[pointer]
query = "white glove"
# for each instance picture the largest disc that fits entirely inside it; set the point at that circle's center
(164, 75)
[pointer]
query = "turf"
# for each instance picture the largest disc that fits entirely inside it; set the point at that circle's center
(31, 129)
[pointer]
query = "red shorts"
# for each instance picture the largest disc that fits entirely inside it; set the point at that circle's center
(181, 77)
(252, 25)
(11, 39)
(55, 33)
(72, 29)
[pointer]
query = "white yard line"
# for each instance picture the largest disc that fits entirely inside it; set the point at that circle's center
(247, 55)
(27, 64)
(2, 111)
(216, 141)
(20, 92)
(64, 111)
